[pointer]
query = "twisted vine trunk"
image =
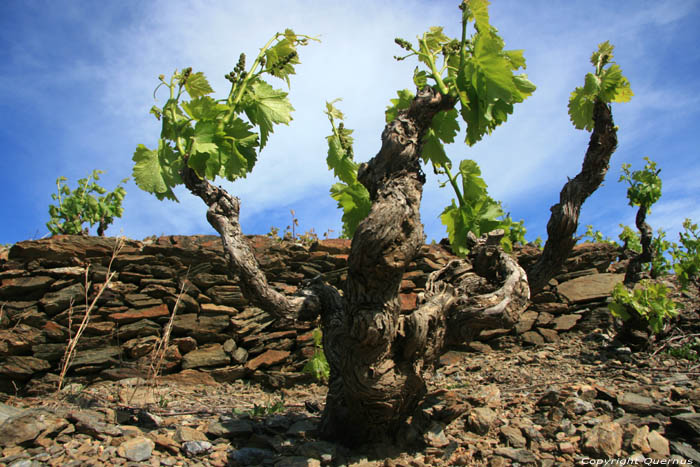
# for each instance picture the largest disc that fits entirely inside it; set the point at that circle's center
(635, 267)
(563, 222)
(377, 355)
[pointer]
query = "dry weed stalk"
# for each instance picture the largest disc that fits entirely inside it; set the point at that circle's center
(89, 306)
(159, 353)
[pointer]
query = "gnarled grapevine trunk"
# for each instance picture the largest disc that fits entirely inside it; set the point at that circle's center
(377, 355)
(563, 222)
(635, 267)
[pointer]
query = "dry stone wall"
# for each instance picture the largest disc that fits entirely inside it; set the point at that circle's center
(44, 284)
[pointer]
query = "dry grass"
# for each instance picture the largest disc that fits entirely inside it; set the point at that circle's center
(69, 354)
(160, 351)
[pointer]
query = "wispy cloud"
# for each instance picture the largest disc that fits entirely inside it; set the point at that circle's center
(87, 75)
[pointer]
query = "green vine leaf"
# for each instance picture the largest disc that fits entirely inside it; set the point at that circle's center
(265, 107)
(197, 85)
(607, 84)
(403, 102)
(157, 172)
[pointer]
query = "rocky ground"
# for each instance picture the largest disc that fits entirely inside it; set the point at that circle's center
(582, 398)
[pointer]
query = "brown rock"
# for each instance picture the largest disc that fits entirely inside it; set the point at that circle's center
(588, 288)
(142, 328)
(636, 403)
(185, 433)
(659, 444)
(19, 340)
(22, 367)
(526, 321)
(639, 441)
(213, 309)
(136, 315)
(229, 295)
(25, 287)
(550, 335)
(29, 425)
(56, 302)
(333, 246)
(54, 331)
(267, 359)
(207, 356)
(553, 308)
(136, 449)
(480, 420)
(204, 329)
(513, 436)
(604, 441)
(532, 337)
(98, 357)
(184, 344)
(64, 248)
(566, 322)
(229, 374)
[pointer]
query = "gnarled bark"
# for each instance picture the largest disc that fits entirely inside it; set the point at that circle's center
(223, 214)
(373, 387)
(377, 355)
(563, 222)
(635, 267)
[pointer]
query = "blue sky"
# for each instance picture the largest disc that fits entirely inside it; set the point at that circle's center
(77, 77)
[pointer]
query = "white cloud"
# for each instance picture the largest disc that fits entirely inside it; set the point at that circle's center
(528, 158)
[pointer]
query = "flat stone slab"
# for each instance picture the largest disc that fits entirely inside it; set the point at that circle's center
(589, 288)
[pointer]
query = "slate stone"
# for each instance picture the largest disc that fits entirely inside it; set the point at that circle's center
(56, 302)
(589, 288)
(28, 425)
(229, 373)
(142, 328)
(207, 356)
(518, 455)
(25, 287)
(250, 456)
(267, 359)
(7, 411)
(92, 423)
(565, 322)
(302, 428)
(204, 329)
(131, 316)
(480, 420)
(229, 295)
(526, 321)
(196, 448)
(96, 357)
(136, 449)
(19, 340)
(687, 423)
(533, 338)
(636, 403)
(579, 406)
(230, 428)
(513, 436)
(22, 367)
(549, 335)
(658, 443)
(686, 451)
(184, 434)
(604, 440)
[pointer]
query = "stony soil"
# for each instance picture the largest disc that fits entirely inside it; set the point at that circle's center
(585, 397)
